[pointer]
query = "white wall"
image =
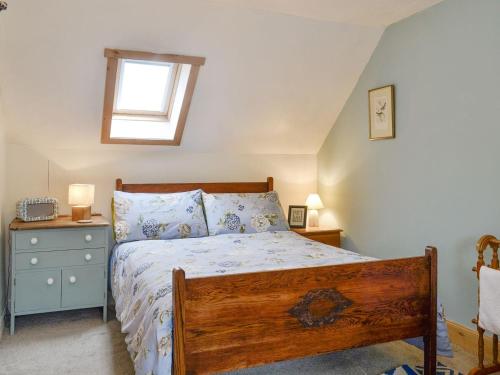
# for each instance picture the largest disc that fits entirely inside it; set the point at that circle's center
(49, 172)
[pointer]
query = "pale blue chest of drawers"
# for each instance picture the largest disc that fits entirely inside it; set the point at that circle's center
(58, 265)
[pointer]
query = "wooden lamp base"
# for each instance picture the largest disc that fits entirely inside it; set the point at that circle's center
(81, 214)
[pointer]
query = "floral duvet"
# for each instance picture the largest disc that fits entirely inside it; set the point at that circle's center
(142, 280)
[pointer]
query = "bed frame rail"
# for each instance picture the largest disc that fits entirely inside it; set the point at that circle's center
(208, 187)
(227, 322)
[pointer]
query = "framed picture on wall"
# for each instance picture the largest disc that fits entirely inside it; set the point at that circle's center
(297, 216)
(381, 113)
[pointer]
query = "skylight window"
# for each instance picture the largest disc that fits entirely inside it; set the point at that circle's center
(144, 87)
(147, 97)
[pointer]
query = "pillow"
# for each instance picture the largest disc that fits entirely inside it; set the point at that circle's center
(244, 213)
(144, 216)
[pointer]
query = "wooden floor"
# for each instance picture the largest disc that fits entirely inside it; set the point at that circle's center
(462, 360)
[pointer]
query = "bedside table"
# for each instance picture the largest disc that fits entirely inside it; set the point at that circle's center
(327, 236)
(58, 265)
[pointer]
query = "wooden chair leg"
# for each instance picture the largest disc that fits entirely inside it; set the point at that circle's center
(481, 369)
(495, 349)
(480, 346)
(430, 355)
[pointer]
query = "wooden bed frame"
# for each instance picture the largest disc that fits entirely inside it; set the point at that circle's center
(227, 322)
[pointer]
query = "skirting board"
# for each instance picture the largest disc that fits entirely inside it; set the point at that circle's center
(467, 339)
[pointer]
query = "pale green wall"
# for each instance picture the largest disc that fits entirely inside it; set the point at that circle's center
(438, 182)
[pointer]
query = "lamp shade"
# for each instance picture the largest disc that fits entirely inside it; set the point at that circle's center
(313, 202)
(81, 195)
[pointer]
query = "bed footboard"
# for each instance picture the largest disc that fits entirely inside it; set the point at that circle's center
(227, 322)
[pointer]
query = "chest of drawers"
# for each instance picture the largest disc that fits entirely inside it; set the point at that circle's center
(57, 265)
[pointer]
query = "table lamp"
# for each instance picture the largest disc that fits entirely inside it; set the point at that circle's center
(314, 204)
(81, 197)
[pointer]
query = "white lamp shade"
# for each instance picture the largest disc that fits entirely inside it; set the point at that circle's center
(81, 195)
(313, 202)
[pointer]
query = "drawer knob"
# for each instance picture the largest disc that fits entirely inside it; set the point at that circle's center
(88, 237)
(88, 257)
(34, 241)
(50, 281)
(34, 261)
(72, 279)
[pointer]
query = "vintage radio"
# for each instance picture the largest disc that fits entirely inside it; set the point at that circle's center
(37, 209)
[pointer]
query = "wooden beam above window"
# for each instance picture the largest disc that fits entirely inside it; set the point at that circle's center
(150, 56)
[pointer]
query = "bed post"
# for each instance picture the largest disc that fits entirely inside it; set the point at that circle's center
(430, 339)
(178, 292)
(270, 183)
(119, 184)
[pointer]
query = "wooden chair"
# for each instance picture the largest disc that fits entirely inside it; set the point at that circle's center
(485, 242)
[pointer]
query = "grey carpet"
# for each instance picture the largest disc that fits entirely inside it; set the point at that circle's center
(77, 342)
(364, 361)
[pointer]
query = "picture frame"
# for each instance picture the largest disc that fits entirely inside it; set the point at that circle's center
(381, 113)
(37, 209)
(297, 216)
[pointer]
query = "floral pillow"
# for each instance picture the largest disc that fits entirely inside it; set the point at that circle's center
(144, 216)
(244, 213)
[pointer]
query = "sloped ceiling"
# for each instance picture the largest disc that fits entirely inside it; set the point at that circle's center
(356, 12)
(272, 83)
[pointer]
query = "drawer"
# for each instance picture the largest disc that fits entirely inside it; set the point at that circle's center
(61, 258)
(38, 290)
(35, 240)
(82, 286)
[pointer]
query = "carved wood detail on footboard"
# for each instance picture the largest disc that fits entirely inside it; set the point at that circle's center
(228, 322)
(485, 242)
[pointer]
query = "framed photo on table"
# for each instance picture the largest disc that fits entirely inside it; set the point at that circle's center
(381, 113)
(297, 216)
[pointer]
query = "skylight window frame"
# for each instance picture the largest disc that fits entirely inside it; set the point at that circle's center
(189, 65)
(168, 97)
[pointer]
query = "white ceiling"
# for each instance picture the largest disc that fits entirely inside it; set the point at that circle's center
(271, 83)
(357, 12)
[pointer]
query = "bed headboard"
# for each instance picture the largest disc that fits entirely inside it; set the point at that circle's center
(209, 187)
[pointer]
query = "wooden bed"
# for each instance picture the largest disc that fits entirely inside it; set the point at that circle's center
(228, 322)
